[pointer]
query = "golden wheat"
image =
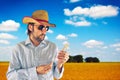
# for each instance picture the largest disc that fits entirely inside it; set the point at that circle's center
(82, 71)
(3, 69)
(92, 71)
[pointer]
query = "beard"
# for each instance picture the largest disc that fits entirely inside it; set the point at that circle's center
(39, 38)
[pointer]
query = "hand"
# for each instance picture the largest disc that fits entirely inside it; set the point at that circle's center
(63, 57)
(43, 69)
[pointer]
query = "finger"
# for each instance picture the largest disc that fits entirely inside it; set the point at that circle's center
(61, 61)
(49, 66)
(60, 57)
(61, 52)
(63, 56)
(66, 59)
(47, 70)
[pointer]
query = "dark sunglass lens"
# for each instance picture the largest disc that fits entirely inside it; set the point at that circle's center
(47, 28)
(40, 27)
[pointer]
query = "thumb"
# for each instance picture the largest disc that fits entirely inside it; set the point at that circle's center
(51, 63)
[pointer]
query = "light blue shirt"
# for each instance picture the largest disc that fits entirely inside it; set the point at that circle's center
(26, 57)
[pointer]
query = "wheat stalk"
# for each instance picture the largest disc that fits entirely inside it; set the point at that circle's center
(65, 47)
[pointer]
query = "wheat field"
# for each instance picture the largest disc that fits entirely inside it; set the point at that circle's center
(81, 71)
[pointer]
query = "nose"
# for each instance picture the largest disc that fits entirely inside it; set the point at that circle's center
(44, 30)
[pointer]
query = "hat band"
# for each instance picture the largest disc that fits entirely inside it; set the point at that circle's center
(41, 20)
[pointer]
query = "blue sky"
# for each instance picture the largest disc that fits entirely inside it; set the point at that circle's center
(90, 27)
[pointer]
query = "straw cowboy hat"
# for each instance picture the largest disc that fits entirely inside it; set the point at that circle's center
(39, 16)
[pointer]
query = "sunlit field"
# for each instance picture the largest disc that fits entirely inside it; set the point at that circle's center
(82, 71)
(3, 69)
(92, 71)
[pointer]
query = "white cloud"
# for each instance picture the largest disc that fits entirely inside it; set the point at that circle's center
(7, 36)
(50, 31)
(78, 23)
(9, 25)
(116, 46)
(66, 42)
(4, 42)
(67, 12)
(73, 1)
(5, 53)
(61, 37)
(103, 11)
(98, 11)
(104, 47)
(72, 35)
(117, 49)
(76, 11)
(93, 43)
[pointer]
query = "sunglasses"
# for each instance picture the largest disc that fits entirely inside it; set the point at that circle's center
(41, 27)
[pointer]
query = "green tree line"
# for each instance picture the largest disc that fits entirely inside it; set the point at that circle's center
(79, 58)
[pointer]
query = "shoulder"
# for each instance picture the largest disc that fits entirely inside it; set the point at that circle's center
(17, 49)
(19, 45)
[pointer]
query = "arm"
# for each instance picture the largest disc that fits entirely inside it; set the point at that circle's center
(22, 74)
(16, 72)
(61, 59)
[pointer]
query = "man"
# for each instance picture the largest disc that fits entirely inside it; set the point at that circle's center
(36, 58)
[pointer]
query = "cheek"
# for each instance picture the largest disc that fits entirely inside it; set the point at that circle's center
(38, 32)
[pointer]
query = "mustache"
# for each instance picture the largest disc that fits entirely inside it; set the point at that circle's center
(42, 34)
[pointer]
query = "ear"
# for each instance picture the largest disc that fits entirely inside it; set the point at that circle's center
(30, 27)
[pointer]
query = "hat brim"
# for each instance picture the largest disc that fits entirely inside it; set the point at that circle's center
(27, 20)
